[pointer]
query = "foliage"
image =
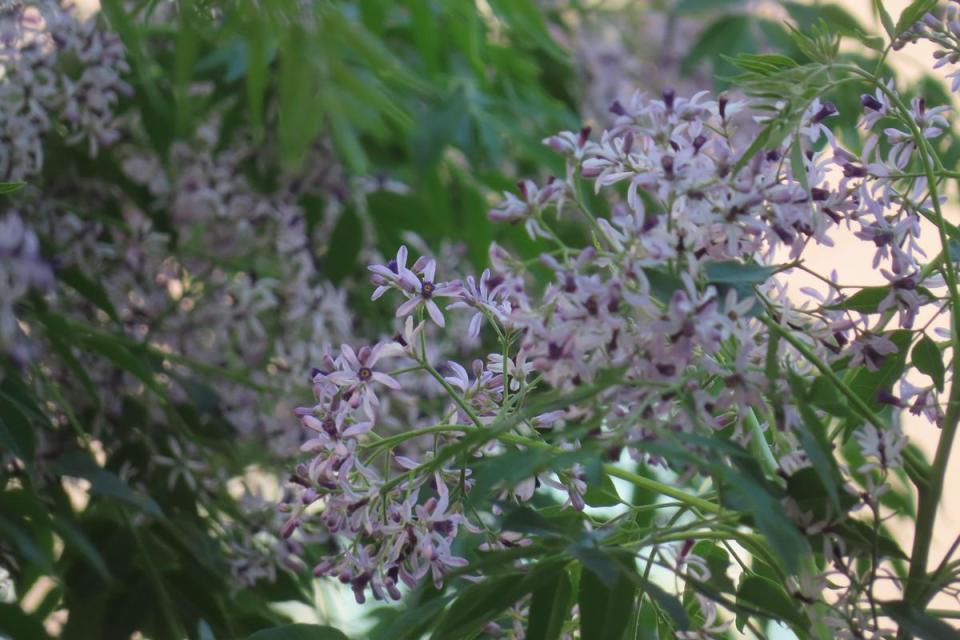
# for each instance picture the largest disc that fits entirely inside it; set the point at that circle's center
(188, 197)
(628, 426)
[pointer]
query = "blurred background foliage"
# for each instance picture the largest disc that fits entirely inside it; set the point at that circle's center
(449, 99)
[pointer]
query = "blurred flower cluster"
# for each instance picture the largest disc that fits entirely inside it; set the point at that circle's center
(59, 70)
(230, 280)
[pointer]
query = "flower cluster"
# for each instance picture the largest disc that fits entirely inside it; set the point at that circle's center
(208, 267)
(658, 297)
(40, 47)
(21, 269)
(941, 27)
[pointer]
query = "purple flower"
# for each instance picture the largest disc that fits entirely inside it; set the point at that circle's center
(422, 291)
(356, 374)
(387, 276)
(529, 206)
(483, 296)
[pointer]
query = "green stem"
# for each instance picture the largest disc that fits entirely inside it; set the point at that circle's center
(759, 442)
(389, 443)
(663, 489)
(944, 613)
(467, 409)
(617, 472)
(825, 369)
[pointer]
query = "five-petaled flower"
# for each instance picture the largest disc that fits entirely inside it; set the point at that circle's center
(356, 374)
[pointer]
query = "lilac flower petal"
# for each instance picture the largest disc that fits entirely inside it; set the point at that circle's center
(435, 314)
(408, 307)
(386, 380)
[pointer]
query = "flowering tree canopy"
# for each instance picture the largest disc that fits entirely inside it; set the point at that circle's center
(618, 401)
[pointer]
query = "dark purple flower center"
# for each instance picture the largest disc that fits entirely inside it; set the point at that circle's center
(443, 527)
(667, 163)
(427, 289)
(851, 170)
(882, 237)
(591, 306)
(668, 96)
(554, 351)
(826, 111)
(330, 426)
(364, 374)
(870, 102)
(875, 357)
(819, 194)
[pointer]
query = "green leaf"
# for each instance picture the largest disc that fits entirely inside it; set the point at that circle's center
(10, 187)
(763, 138)
(824, 395)
(437, 127)
(597, 561)
(718, 561)
(663, 285)
(869, 40)
(918, 624)
(732, 272)
(524, 18)
(813, 438)
(783, 536)
(764, 64)
(114, 350)
(550, 608)
(28, 547)
(605, 609)
(63, 349)
(300, 109)
(509, 469)
(859, 534)
(807, 16)
(16, 433)
(668, 603)
(914, 12)
(345, 244)
(691, 6)
(770, 598)
(347, 140)
(885, 18)
(865, 300)
(926, 357)
(89, 289)
(867, 384)
(646, 623)
(797, 165)
(526, 520)
(14, 623)
(415, 618)
(480, 603)
(186, 49)
(76, 540)
(256, 78)
(602, 493)
(810, 492)
(742, 486)
(299, 632)
(79, 464)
